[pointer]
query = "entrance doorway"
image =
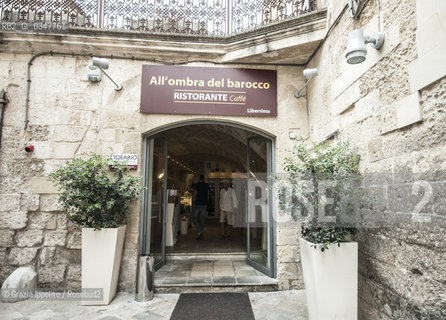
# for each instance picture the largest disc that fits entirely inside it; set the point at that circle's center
(173, 160)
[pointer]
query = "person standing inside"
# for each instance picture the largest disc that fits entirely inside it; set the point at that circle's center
(228, 203)
(200, 201)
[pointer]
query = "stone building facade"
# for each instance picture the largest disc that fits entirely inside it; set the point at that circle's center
(392, 107)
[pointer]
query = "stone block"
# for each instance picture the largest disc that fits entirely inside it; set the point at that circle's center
(378, 173)
(47, 255)
(69, 256)
(21, 256)
(42, 150)
(439, 197)
(367, 105)
(64, 150)
(13, 220)
(287, 236)
(50, 167)
(399, 198)
(3, 254)
(131, 240)
(430, 166)
(74, 272)
(283, 285)
(41, 185)
(408, 110)
(75, 118)
(29, 238)
(10, 202)
(403, 170)
(51, 274)
(297, 284)
(6, 168)
(427, 68)
(29, 202)
(66, 133)
(346, 100)
(50, 203)
(288, 253)
(288, 271)
(27, 168)
(42, 220)
(39, 132)
(51, 223)
(62, 221)
(73, 284)
(54, 238)
(14, 185)
(75, 240)
(6, 238)
(375, 150)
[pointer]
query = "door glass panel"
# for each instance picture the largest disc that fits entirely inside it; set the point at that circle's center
(157, 175)
(259, 204)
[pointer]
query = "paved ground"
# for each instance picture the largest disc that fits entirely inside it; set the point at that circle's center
(280, 305)
(222, 270)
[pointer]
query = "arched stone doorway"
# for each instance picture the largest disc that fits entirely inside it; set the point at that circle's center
(173, 158)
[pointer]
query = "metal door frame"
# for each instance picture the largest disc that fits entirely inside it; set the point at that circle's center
(271, 223)
(147, 179)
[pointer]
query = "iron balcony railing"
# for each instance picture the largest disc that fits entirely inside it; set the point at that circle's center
(202, 17)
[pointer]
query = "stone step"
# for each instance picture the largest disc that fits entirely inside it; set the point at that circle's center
(216, 288)
(211, 273)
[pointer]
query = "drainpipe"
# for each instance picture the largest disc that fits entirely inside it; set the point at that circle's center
(3, 102)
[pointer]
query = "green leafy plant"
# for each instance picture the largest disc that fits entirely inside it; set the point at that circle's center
(94, 196)
(319, 165)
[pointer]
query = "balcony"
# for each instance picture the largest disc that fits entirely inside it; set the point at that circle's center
(195, 17)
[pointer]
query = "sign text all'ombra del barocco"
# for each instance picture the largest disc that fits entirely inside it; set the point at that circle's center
(203, 90)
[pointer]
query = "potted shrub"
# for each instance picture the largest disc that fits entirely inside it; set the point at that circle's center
(325, 182)
(97, 199)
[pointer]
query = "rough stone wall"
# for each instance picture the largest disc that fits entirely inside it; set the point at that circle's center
(67, 119)
(399, 128)
(71, 117)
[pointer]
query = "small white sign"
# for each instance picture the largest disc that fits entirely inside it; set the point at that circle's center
(129, 160)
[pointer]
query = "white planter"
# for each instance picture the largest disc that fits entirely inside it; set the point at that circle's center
(331, 280)
(101, 259)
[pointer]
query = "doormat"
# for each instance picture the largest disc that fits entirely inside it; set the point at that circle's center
(213, 306)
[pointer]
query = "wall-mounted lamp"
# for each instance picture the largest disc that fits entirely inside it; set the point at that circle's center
(356, 47)
(101, 64)
(308, 75)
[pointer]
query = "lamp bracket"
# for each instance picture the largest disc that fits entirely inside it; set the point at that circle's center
(377, 40)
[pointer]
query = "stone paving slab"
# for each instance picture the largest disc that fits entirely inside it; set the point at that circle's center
(282, 305)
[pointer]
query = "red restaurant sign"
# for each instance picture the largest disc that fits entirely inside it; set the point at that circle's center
(214, 91)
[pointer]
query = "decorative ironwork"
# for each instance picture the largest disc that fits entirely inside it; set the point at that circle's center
(249, 14)
(206, 17)
(200, 17)
(75, 13)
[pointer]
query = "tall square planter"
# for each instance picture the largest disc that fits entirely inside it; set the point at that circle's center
(101, 259)
(331, 280)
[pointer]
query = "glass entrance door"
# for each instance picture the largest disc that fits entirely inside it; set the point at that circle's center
(155, 215)
(259, 205)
